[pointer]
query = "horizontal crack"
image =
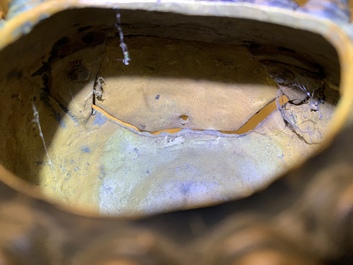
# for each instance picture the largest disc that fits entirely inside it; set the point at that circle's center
(256, 119)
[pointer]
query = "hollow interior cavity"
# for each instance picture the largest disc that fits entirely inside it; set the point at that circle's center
(159, 111)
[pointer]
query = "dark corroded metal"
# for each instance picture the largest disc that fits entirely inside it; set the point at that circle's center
(306, 217)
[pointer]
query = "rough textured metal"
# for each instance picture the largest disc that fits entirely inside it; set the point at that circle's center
(305, 217)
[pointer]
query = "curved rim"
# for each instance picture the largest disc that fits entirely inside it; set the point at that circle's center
(24, 22)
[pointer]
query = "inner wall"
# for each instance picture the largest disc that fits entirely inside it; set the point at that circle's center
(97, 162)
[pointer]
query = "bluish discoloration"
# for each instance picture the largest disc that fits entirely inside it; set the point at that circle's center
(348, 28)
(77, 168)
(18, 6)
(275, 3)
(337, 10)
(99, 119)
(62, 124)
(102, 172)
(2, 23)
(185, 187)
(23, 29)
(85, 149)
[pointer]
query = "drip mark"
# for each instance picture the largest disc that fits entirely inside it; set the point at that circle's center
(37, 121)
(123, 45)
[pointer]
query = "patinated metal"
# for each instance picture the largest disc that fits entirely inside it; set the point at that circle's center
(302, 217)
